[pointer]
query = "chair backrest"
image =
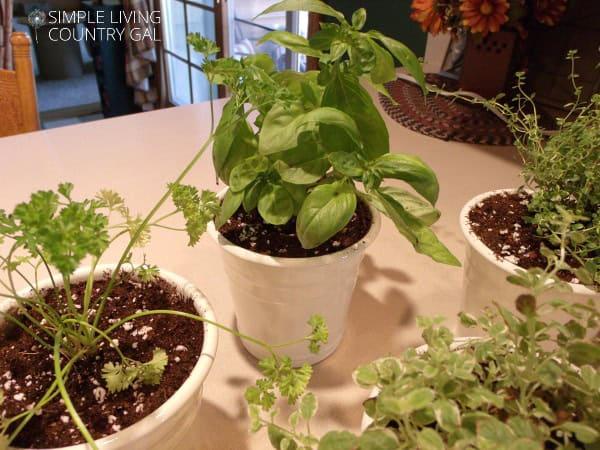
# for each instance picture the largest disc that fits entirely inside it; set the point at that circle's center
(18, 98)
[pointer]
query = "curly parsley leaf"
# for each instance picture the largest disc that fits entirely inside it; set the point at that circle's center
(198, 209)
(64, 234)
(120, 376)
(147, 273)
(319, 334)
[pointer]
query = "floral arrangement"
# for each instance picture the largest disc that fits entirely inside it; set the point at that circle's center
(484, 16)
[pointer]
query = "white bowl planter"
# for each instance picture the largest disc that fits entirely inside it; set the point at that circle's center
(169, 427)
(274, 297)
(484, 278)
(458, 342)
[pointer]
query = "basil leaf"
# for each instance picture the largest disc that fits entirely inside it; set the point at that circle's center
(283, 125)
(384, 70)
(347, 164)
(410, 169)
(345, 93)
(359, 18)
(294, 42)
(305, 173)
(405, 55)
(323, 39)
(314, 6)
(231, 203)
(262, 61)
(275, 205)
(327, 209)
(233, 143)
(413, 205)
(418, 234)
(246, 172)
(251, 195)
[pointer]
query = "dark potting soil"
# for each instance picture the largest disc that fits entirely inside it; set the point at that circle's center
(499, 221)
(26, 368)
(248, 230)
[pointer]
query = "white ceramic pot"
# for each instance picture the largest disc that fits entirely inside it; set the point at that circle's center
(169, 427)
(274, 297)
(484, 278)
(458, 342)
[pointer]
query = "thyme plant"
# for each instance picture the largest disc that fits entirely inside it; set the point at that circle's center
(51, 235)
(532, 382)
(562, 169)
(318, 135)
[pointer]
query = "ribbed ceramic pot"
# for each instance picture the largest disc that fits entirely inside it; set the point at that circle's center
(274, 297)
(484, 276)
(170, 427)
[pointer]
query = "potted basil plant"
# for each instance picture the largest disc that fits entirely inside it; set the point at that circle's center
(510, 230)
(306, 183)
(528, 382)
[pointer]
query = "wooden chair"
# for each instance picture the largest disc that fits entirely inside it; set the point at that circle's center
(18, 98)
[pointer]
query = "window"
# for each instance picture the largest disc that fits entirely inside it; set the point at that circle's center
(187, 84)
(185, 81)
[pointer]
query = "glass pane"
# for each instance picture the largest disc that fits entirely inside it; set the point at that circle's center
(174, 27)
(200, 87)
(179, 81)
(203, 22)
(248, 31)
(210, 3)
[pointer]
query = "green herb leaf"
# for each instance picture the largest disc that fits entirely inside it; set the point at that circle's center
(366, 376)
(584, 433)
(305, 173)
(338, 440)
(413, 205)
(292, 41)
(410, 169)
(283, 125)
(406, 57)
(422, 238)
(197, 208)
(359, 18)
(378, 439)
(275, 204)
(327, 209)
(347, 164)
(315, 6)
(447, 414)
(400, 405)
(345, 93)
(319, 333)
(277, 438)
(581, 352)
(247, 171)
(308, 406)
(429, 439)
(231, 203)
(384, 70)
(234, 141)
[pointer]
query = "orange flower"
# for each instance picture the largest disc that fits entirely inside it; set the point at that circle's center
(549, 12)
(484, 16)
(424, 13)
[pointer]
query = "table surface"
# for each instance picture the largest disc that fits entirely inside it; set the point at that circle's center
(139, 154)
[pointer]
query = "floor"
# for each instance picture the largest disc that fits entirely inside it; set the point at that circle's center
(68, 102)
